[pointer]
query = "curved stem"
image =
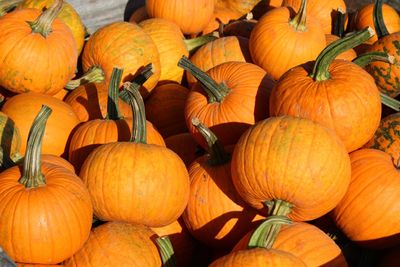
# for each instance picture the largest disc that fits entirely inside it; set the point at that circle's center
(367, 58)
(32, 176)
(379, 24)
(326, 57)
(338, 24)
(218, 155)
(265, 235)
(5, 260)
(299, 22)
(166, 251)
(93, 75)
(138, 81)
(194, 43)
(113, 112)
(216, 92)
(8, 5)
(43, 24)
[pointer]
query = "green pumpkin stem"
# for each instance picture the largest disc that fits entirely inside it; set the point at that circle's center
(113, 112)
(195, 43)
(93, 75)
(265, 234)
(299, 22)
(215, 92)
(379, 24)
(218, 155)
(132, 94)
(32, 176)
(166, 251)
(338, 24)
(5, 260)
(8, 5)
(43, 24)
(390, 102)
(367, 58)
(328, 55)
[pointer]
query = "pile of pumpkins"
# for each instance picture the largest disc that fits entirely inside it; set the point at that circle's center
(200, 133)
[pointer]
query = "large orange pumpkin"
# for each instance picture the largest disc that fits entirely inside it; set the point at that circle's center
(46, 209)
(39, 56)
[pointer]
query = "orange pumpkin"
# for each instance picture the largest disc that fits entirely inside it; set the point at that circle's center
(51, 198)
(220, 16)
(182, 13)
(44, 37)
(239, 6)
(185, 146)
(280, 41)
(240, 28)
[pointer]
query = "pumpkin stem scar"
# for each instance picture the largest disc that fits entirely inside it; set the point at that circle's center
(44, 22)
(94, 75)
(166, 251)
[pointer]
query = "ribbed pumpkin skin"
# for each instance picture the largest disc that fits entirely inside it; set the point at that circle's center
(273, 32)
(364, 18)
(306, 242)
(294, 160)
(348, 102)
(136, 183)
(372, 198)
(346, 55)
(90, 102)
(258, 257)
(125, 45)
(23, 108)
(216, 214)
(56, 160)
(58, 216)
(67, 14)
(31, 63)
(387, 137)
(221, 50)
(165, 108)
(118, 244)
(94, 133)
(182, 13)
(169, 41)
(246, 104)
(185, 146)
(387, 75)
(322, 10)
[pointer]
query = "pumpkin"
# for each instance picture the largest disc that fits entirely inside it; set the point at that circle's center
(44, 37)
(134, 181)
(215, 213)
(220, 16)
(68, 15)
(280, 41)
(165, 108)
(230, 48)
(125, 45)
(242, 28)
(364, 18)
(386, 75)
(323, 11)
(349, 54)
(313, 182)
(112, 128)
(328, 94)
(185, 146)
(22, 109)
(371, 198)
(228, 99)
(306, 242)
(182, 13)
(118, 244)
(241, 7)
(139, 15)
(51, 198)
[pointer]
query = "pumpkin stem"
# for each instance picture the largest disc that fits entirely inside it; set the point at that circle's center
(8, 5)
(216, 92)
(379, 24)
(265, 234)
(113, 112)
(93, 75)
(195, 43)
(338, 24)
(390, 102)
(299, 22)
(132, 94)
(32, 176)
(166, 251)
(5, 260)
(321, 67)
(367, 58)
(218, 155)
(44, 22)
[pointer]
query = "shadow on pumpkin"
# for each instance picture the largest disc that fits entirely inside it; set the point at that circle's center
(90, 101)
